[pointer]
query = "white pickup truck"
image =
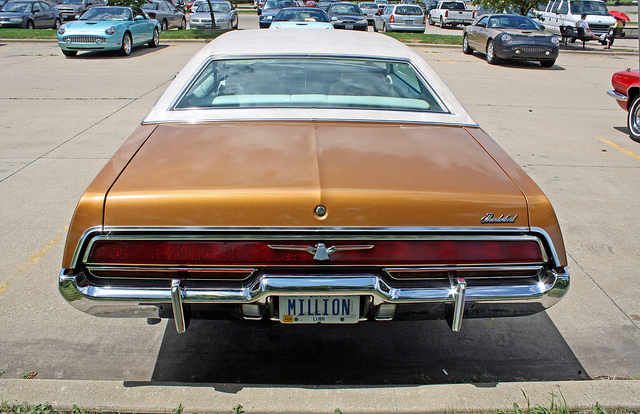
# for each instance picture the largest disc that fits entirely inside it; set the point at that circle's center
(560, 14)
(451, 13)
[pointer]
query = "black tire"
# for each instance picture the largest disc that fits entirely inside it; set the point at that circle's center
(384, 28)
(155, 40)
(30, 25)
(57, 24)
(375, 29)
(633, 119)
(165, 25)
(125, 50)
(69, 52)
(442, 25)
(466, 49)
(183, 24)
(431, 22)
(547, 63)
(235, 26)
(492, 59)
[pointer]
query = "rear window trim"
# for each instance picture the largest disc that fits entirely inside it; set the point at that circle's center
(180, 96)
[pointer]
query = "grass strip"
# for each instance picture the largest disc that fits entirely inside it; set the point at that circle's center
(23, 34)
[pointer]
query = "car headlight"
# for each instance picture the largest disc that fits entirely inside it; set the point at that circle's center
(110, 30)
(269, 18)
(61, 30)
(16, 19)
(363, 21)
(506, 39)
(555, 41)
(223, 20)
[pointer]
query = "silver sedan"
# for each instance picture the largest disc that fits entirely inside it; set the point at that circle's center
(400, 17)
(225, 14)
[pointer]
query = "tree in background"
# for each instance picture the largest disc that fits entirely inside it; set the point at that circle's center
(127, 3)
(521, 7)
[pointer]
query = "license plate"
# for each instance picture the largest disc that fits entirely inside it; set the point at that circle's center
(408, 22)
(319, 309)
(348, 26)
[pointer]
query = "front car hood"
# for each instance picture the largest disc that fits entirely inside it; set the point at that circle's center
(257, 174)
(519, 32)
(355, 17)
(14, 14)
(89, 26)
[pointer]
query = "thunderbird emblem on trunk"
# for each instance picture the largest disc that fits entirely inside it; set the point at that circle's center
(320, 251)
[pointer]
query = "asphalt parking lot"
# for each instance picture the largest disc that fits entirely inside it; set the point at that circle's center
(61, 119)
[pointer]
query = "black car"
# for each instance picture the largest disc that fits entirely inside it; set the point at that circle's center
(347, 16)
(509, 36)
(270, 9)
(29, 14)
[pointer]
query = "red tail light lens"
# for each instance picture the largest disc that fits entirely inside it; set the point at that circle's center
(391, 19)
(301, 253)
(152, 15)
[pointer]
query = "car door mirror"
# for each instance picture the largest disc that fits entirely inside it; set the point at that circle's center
(138, 18)
(481, 25)
(541, 26)
(334, 19)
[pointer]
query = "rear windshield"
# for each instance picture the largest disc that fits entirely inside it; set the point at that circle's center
(409, 10)
(452, 5)
(310, 83)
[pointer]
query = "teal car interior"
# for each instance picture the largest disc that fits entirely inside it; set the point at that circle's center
(109, 28)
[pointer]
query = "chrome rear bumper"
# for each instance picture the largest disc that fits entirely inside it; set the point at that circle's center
(148, 302)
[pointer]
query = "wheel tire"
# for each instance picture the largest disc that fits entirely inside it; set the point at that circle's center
(69, 52)
(466, 49)
(431, 22)
(30, 25)
(442, 25)
(375, 29)
(125, 50)
(633, 120)
(492, 59)
(165, 25)
(235, 26)
(155, 41)
(57, 24)
(384, 28)
(183, 24)
(547, 63)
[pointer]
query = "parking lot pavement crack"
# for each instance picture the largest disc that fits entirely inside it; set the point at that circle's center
(603, 291)
(131, 101)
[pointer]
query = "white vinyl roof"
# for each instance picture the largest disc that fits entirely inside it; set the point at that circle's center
(304, 43)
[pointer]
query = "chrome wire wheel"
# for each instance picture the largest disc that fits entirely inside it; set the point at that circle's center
(633, 120)
(125, 50)
(465, 45)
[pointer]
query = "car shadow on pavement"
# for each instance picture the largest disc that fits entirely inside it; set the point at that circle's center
(113, 54)
(369, 353)
(519, 64)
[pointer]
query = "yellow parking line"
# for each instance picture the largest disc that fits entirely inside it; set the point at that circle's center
(619, 148)
(27, 264)
(161, 51)
(439, 57)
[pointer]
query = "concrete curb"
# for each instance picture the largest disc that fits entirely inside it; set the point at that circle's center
(429, 45)
(149, 397)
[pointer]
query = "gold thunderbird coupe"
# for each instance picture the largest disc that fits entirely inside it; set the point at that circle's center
(330, 178)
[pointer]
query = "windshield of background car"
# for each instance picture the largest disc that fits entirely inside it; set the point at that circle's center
(273, 4)
(72, 1)
(590, 7)
(107, 13)
(409, 10)
(14, 6)
(310, 82)
(368, 6)
(289, 15)
(512, 22)
(217, 8)
(150, 6)
(351, 9)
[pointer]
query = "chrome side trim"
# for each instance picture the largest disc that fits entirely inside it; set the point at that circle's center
(617, 96)
(146, 302)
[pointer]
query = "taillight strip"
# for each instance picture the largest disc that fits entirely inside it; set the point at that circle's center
(260, 253)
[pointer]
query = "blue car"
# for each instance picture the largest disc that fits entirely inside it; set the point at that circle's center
(28, 14)
(109, 28)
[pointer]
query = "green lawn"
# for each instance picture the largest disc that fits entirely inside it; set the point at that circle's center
(209, 34)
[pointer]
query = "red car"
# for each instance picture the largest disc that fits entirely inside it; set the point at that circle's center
(626, 91)
(310, 3)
